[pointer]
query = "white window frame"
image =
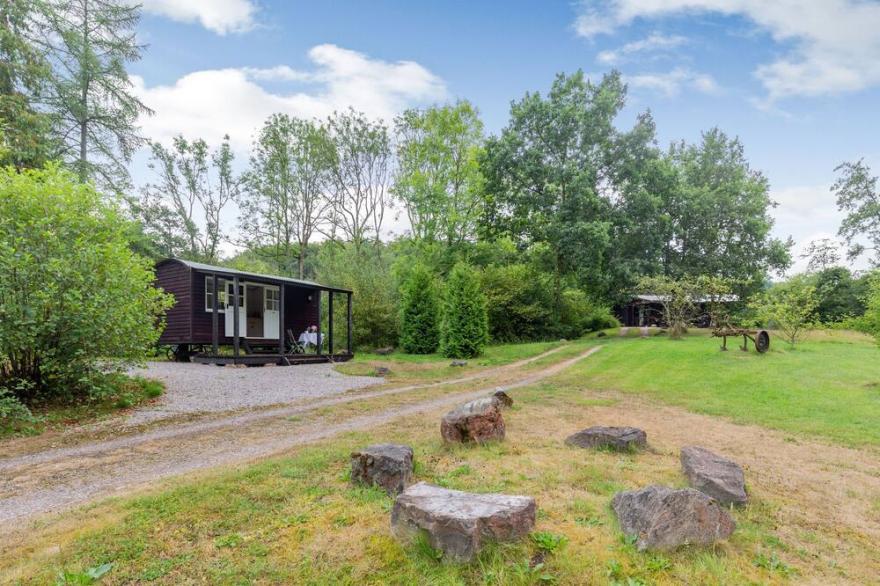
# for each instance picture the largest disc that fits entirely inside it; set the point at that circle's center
(221, 284)
(272, 294)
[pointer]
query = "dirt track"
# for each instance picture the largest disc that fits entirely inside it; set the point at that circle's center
(38, 482)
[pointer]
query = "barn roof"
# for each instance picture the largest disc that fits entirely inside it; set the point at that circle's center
(647, 298)
(228, 272)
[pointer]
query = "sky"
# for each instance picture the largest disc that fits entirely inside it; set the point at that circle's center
(797, 81)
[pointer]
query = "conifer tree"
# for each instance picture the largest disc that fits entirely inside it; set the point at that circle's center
(465, 327)
(420, 309)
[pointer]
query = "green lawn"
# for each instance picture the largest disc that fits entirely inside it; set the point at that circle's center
(297, 519)
(426, 367)
(829, 387)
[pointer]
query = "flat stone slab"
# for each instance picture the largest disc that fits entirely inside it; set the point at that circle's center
(621, 439)
(389, 466)
(717, 476)
(460, 523)
(477, 421)
(663, 518)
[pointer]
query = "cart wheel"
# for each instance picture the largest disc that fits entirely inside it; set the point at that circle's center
(181, 353)
(762, 341)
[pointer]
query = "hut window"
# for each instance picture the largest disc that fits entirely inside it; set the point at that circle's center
(272, 299)
(209, 294)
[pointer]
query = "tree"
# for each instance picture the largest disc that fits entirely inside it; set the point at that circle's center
(360, 175)
(74, 300)
(183, 211)
(464, 331)
(870, 322)
(719, 211)
(546, 171)
(438, 177)
(839, 295)
(286, 192)
(89, 43)
(823, 254)
(376, 308)
(859, 197)
(678, 297)
(419, 313)
(24, 72)
(788, 307)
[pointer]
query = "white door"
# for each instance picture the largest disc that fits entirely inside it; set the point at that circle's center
(230, 310)
(272, 305)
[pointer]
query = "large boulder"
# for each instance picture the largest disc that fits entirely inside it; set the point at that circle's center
(717, 476)
(503, 399)
(477, 421)
(622, 439)
(662, 518)
(389, 466)
(460, 523)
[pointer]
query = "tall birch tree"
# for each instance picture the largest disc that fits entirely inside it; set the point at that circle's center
(286, 200)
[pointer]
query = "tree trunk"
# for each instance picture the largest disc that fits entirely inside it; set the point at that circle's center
(84, 98)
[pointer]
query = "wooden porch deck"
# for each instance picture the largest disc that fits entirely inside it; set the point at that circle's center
(260, 359)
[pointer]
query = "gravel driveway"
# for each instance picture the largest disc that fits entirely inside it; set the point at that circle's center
(201, 388)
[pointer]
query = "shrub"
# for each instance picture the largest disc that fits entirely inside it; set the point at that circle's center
(519, 303)
(74, 300)
(465, 329)
(870, 321)
(419, 315)
(368, 274)
(788, 307)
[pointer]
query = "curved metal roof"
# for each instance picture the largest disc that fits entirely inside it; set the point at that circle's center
(226, 271)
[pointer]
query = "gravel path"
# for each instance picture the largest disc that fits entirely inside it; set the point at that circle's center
(200, 388)
(55, 479)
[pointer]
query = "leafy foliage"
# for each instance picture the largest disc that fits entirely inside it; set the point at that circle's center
(859, 197)
(285, 199)
(183, 210)
(367, 272)
(465, 330)
(439, 179)
(89, 43)
(74, 300)
(419, 313)
(788, 307)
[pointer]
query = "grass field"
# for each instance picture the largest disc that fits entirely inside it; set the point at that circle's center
(297, 519)
(827, 386)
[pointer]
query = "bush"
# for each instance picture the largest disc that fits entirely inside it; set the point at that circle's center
(788, 307)
(74, 300)
(419, 315)
(519, 303)
(368, 274)
(465, 329)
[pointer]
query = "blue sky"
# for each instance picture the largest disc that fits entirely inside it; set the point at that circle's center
(797, 81)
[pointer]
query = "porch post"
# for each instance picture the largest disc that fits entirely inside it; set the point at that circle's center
(330, 322)
(348, 331)
(318, 341)
(215, 319)
(281, 334)
(235, 301)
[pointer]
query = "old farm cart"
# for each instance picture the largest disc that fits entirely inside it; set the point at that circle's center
(224, 316)
(760, 338)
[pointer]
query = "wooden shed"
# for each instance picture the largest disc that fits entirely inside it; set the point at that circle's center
(252, 315)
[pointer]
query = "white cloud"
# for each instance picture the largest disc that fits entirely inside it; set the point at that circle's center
(211, 103)
(219, 16)
(671, 83)
(835, 46)
(806, 213)
(654, 43)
